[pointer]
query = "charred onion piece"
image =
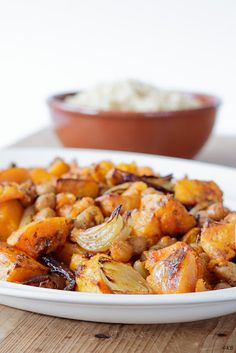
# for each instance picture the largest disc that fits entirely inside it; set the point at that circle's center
(99, 238)
(43, 281)
(61, 270)
(157, 183)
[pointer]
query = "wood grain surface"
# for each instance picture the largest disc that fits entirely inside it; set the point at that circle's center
(25, 332)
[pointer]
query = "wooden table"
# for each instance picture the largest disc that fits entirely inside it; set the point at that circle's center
(21, 331)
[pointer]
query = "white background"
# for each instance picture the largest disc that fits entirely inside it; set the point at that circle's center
(48, 46)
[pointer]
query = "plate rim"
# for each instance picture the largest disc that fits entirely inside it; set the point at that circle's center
(22, 291)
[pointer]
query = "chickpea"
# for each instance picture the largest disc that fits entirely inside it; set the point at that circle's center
(138, 244)
(222, 285)
(45, 188)
(45, 200)
(121, 251)
(140, 267)
(44, 213)
(217, 211)
(164, 242)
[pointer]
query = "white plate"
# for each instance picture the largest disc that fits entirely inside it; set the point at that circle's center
(123, 308)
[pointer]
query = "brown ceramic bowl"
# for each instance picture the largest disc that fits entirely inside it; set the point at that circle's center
(179, 133)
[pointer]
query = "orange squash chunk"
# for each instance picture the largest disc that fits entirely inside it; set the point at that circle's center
(41, 237)
(174, 218)
(174, 269)
(218, 240)
(10, 192)
(191, 192)
(17, 175)
(17, 266)
(58, 168)
(80, 188)
(10, 216)
(40, 175)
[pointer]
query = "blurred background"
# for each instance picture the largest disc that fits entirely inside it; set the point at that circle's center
(50, 46)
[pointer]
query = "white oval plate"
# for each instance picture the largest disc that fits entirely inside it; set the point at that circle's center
(143, 309)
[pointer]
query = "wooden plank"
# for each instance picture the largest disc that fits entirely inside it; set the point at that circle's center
(28, 332)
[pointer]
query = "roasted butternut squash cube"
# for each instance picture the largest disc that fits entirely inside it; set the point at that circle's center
(17, 266)
(109, 202)
(174, 218)
(80, 188)
(146, 224)
(11, 213)
(191, 192)
(174, 269)
(40, 175)
(41, 237)
(17, 175)
(218, 240)
(58, 168)
(227, 273)
(65, 253)
(10, 192)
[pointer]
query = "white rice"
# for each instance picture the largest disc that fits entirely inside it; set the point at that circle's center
(131, 95)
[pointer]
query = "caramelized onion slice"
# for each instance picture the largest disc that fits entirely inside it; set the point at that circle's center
(61, 270)
(162, 184)
(122, 278)
(100, 237)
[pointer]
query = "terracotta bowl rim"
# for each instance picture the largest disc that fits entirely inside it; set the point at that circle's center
(56, 102)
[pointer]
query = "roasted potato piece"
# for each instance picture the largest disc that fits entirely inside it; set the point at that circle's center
(226, 273)
(80, 188)
(10, 217)
(218, 241)
(10, 192)
(17, 175)
(174, 269)
(58, 168)
(17, 266)
(101, 274)
(41, 237)
(191, 192)
(174, 218)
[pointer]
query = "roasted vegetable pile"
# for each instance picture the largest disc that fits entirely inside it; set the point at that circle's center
(110, 228)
